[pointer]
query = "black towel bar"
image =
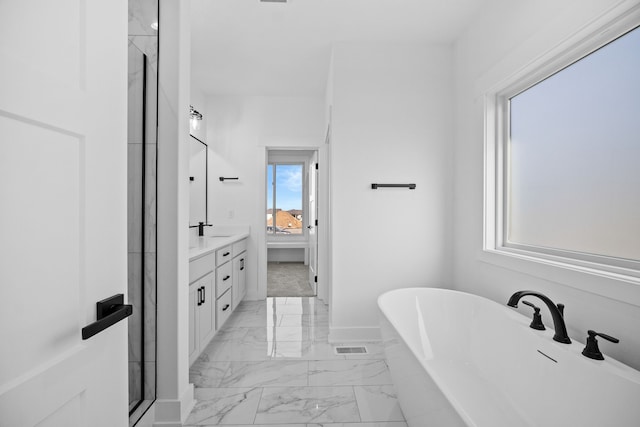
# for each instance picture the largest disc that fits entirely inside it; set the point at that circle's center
(409, 186)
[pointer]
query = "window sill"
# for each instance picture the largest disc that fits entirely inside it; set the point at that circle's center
(287, 244)
(616, 286)
(290, 238)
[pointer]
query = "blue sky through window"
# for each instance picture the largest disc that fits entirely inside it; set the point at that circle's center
(288, 186)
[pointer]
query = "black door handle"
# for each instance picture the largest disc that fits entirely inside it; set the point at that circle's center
(199, 296)
(109, 311)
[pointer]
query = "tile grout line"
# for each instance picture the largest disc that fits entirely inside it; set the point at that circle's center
(258, 407)
(355, 399)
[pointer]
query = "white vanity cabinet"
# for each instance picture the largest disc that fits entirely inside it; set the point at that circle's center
(202, 324)
(217, 284)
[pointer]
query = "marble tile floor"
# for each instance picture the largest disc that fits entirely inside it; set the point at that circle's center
(272, 365)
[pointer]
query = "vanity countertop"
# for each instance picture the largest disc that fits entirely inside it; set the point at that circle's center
(208, 244)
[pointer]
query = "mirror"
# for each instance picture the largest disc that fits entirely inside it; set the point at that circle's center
(198, 165)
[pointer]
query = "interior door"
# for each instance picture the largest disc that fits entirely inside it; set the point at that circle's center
(313, 228)
(63, 104)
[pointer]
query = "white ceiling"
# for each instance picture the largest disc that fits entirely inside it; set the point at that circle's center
(248, 47)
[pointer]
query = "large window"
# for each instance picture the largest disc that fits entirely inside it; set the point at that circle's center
(568, 160)
(284, 199)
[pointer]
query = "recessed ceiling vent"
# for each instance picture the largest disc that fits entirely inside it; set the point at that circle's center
(273, 1)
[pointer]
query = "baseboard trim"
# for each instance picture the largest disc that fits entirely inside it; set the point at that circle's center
(173, 413)
(354, 334)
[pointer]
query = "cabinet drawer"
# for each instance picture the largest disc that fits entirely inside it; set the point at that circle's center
(224, 278)
(223, 308)
(224, 254)
(201, 266)
(239, 247)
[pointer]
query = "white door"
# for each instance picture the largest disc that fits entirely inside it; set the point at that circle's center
(313, 229)
(63, 102)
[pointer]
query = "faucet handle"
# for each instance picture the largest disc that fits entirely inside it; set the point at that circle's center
(536, 323)
(591, 350)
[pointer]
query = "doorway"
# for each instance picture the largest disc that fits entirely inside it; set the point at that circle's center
(291, 220)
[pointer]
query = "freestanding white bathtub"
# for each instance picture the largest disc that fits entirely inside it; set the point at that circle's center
(458, 359)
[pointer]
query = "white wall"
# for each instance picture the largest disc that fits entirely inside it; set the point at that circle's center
(391, 123)
(239, 129)
(505, 37)
(174, 393)
(286, 255)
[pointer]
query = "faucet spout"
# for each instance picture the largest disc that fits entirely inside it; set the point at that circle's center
(556, 314)
(201, 225)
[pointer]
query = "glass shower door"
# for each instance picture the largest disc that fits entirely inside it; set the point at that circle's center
(141, 183)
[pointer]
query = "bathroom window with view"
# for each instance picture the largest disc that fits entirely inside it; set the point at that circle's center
(284, 199)
(570, 160)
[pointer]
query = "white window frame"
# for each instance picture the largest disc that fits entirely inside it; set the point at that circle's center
(566, 267)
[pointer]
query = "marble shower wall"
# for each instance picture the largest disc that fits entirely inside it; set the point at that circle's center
(142, 151)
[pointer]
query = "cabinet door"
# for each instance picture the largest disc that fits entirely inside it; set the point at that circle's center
(243, 277)
(193, 323)
(238, 279)
(206, 313)
(235, 289)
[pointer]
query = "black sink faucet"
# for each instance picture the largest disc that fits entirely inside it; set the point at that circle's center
(201, 226)
(556, 313)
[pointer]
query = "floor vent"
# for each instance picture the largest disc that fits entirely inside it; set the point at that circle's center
(351, 350)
